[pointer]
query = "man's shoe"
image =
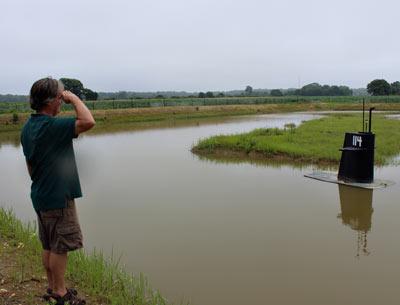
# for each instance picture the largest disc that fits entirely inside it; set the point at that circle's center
(69, 298)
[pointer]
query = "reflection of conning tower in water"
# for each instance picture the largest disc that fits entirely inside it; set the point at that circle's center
(356, 207)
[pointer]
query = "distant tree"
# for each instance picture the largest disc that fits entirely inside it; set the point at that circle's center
(89, 94)
(338, 91)
(248, 90)
(395, 88)
(121, 95)
(220, 94)
(159, 96)
(73, 85)
(379, 87)
(325, 89)
(334, 91)
(344, 90)
(290, 92)
(209, 94)
(359, 91)
(276, 92)
(202, 95)
(76, 87)
(313, 89)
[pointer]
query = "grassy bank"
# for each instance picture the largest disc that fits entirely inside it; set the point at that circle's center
(317, 141)
(12, 122)
(143, 118)
(102, 280)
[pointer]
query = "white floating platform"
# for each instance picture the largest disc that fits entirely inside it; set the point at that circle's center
(331, 177)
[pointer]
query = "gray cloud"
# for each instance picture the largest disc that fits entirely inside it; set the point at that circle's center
(198, 45)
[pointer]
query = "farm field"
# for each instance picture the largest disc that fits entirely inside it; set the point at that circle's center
(23, 106)
(112, 118)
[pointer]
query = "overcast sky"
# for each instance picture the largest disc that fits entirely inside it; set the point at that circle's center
(198, 45)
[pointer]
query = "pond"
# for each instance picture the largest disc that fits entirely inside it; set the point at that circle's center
(227, 233)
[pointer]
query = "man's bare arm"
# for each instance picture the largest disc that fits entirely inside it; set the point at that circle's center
(84, 118)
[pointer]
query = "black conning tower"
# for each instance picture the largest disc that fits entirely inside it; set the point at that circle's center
(357, 161)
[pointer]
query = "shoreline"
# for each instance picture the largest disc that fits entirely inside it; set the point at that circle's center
(315, 142)
(224, 155)
(99, 280)
(10, 122)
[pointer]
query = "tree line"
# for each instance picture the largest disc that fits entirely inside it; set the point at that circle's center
(382, 87)
(315, 89)
(13, 98)
(375, 87)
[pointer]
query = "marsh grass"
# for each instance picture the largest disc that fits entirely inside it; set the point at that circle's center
(315, 141)
(97, 275)
(130, 116)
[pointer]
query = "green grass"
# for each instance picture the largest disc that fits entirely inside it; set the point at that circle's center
(315, 141)
(94, 273)
(12, 122)
(186, 101)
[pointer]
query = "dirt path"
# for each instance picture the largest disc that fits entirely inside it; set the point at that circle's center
(24, 285)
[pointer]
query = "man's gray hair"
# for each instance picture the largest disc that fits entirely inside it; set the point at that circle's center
(44, 91)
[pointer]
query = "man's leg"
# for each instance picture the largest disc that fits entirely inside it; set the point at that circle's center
(46, 265)
(58, 265)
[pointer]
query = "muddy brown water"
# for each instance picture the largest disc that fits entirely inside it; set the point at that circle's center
(225, 233)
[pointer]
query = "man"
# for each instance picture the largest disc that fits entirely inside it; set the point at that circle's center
(48, 149)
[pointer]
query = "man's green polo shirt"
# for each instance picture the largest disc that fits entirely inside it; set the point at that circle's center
(47, 146)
